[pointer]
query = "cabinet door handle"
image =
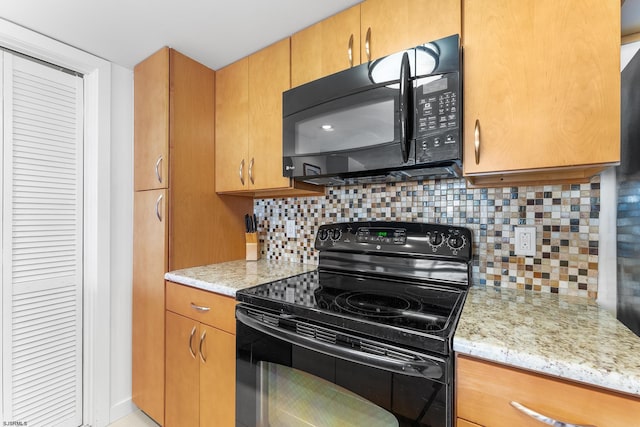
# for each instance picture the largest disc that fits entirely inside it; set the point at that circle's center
(543, 418)
(193, 332)
(158, 164)
(241, 171)
(476, 141)
(350, 51)
(200, 308)
(367, 44)
(158, 214)
(202, 338)
(251, 170)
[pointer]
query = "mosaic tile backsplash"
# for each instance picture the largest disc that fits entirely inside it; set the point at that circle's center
(565, 216)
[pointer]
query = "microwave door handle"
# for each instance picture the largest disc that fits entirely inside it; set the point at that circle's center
(405, 99)
(424, 368)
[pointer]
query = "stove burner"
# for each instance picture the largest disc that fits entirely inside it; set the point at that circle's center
(376, 304)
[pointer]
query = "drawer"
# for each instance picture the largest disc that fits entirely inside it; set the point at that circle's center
(484, 391)
(207, 307)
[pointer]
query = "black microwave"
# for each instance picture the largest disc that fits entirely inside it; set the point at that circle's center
(391, 119)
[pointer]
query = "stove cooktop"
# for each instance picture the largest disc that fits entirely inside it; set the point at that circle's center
(400, 282)
(400, 312)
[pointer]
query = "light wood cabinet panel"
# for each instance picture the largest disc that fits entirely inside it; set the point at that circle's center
(183, 371)
(394, 25)
(232, 127)
(195, 220)
(150, 264)
(151, 131)
(218, 379)
(323, 48)
(203, 306)
(543, 81)
(199, 219)
(269, 76)
(484, 391)
(249, 126)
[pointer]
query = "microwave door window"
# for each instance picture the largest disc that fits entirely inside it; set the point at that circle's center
(361, 126)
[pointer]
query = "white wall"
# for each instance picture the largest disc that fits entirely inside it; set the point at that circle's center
(121, 239)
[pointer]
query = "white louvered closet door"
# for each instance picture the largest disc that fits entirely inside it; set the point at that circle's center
(41, 244)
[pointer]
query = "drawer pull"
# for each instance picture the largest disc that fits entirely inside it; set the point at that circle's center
(200, 308)
(476, 141)
(193, 332)
(158, 163)
(202, 338)
(544, 419)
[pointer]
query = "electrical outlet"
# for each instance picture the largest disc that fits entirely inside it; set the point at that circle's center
(291, 228)
(525, 241)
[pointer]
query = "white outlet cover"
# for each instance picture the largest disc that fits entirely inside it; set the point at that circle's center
(525, 244)
(291, 229)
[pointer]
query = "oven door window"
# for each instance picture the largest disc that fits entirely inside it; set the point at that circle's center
(281, 384)
(292, 397)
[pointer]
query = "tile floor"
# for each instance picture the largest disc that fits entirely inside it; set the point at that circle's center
(136, 419)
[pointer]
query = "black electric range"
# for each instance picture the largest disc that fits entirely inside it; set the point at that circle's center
(364, 340)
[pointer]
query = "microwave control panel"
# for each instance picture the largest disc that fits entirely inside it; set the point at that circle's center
(437, 126)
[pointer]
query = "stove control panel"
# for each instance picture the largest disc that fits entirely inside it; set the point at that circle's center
(396, 237)
(388, 236)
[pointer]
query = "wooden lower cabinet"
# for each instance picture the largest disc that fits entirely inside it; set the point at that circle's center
(200, 359)
(485, 390)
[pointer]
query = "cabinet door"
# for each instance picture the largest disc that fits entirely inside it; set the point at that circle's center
(182, 371)
(217, 378)
(389, 26)
(269, 76)
(327, 47)
(149, 266)
(232, 127)
(542, 80)
(151, 122)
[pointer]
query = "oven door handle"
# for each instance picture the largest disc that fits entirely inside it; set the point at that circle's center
(425, 367)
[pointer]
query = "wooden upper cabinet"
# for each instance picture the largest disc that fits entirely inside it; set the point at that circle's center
(232, 126)
(326, 47)
(249, 125)
(542, 81)
(151, 131)
(269, 76)
(388, 26)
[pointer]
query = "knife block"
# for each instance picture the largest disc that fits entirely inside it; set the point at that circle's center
(253, 251)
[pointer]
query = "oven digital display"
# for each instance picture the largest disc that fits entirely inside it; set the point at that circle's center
(395, 236)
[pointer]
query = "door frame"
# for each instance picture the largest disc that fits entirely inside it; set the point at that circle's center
(97, 218)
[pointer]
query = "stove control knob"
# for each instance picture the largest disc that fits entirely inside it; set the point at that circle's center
(435, 239)
(336, 233)
(456, 241)
(323, 234)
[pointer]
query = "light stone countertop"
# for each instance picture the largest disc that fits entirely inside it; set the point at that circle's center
(568, 337)
(562, 336)
(228, 277)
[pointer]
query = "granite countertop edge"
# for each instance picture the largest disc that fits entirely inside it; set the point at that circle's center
(570, 338)
(227, 278)
(558, 368)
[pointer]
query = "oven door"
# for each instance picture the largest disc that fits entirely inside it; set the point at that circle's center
(291, 372)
